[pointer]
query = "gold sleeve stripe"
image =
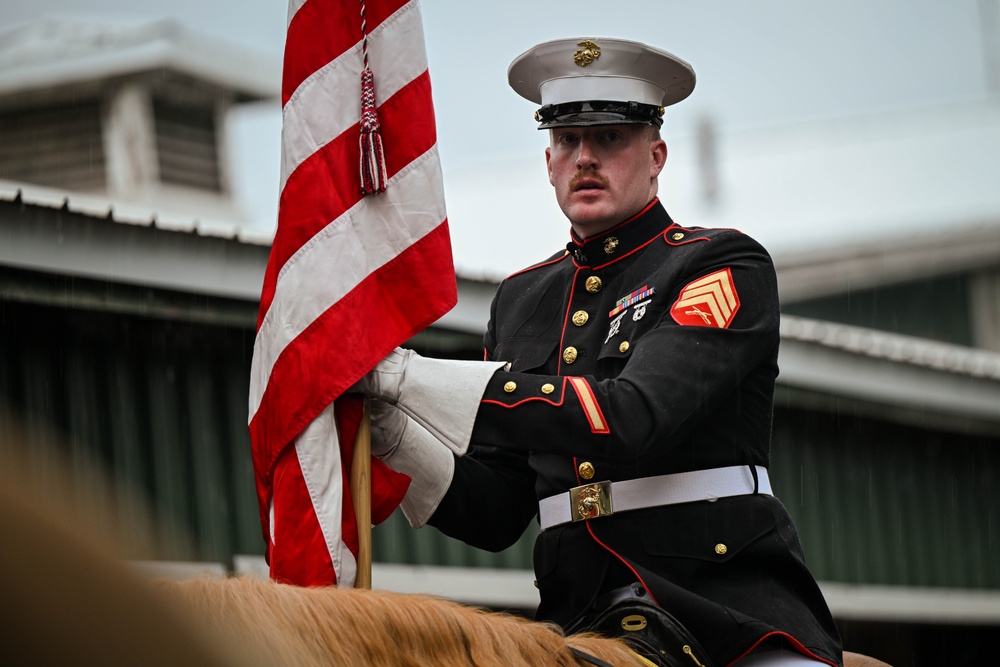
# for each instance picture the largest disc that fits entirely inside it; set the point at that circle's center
(591, 408)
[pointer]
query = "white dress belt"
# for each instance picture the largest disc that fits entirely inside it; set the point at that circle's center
(634, 494)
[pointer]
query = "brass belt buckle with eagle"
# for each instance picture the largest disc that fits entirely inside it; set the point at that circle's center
(590, 501)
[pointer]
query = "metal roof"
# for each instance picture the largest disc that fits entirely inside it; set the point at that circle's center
(225, 223)
(890, 369)
(894, 347)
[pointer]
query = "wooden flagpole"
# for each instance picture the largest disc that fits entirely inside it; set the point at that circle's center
(373, 179)
(361, 494)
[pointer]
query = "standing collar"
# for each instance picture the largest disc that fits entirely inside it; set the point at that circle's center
(622, 239)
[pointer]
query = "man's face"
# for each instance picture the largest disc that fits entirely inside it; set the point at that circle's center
(603, 174)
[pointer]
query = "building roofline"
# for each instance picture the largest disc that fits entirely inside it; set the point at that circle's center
(890, 369)
(51, 52)
(882, 345)
(106, 208)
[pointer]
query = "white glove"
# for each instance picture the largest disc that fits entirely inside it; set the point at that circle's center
(407, 448)
(442, 395)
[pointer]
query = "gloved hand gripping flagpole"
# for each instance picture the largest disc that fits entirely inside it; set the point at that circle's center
(373, 181)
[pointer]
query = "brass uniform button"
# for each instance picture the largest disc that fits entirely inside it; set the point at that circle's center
(569, 354)
(548, 388)
(677, 236)
(721, 549)
(580, 318)
(623, 347)
(593, 284)
(610, 244)
(586, 470)
(509, 387)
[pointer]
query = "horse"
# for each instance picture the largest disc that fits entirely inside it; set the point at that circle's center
(291, 625)
(68, 597)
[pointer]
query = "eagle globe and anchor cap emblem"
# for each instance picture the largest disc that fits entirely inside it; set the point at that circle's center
(587, 54)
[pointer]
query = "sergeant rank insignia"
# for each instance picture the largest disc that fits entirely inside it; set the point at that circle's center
(710, 301)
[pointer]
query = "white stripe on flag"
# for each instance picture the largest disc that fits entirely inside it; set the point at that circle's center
(318, 450)
(295, 5)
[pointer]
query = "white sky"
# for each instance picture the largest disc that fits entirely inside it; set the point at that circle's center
(759, 63)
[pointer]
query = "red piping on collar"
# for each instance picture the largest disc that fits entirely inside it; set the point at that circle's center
(618, 259)
(619, 225)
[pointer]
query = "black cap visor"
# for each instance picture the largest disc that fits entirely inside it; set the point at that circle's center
(582, 114)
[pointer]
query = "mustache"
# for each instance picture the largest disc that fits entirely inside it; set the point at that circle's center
(592, 174)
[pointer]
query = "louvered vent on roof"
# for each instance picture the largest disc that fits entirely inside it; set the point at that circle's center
(56, 145)
(186, 145)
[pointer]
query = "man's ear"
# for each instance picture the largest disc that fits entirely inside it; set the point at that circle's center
(548, 167)
(658, 153)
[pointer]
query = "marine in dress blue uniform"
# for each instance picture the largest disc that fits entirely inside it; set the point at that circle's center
(630, 399)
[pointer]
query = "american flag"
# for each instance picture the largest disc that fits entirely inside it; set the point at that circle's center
(349, 276)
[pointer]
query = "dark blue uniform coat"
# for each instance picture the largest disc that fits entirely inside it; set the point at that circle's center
(648, 349)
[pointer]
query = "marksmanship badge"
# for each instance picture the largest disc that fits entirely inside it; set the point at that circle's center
(613, 328)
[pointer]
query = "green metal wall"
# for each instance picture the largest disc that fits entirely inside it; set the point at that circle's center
(903, 309)
(158, 404)
(879, 502)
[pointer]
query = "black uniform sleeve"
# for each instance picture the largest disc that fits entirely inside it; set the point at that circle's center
(491, 499)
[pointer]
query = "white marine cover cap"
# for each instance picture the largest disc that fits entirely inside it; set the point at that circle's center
(599, 81)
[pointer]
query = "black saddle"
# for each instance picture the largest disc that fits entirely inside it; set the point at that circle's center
(629, 614)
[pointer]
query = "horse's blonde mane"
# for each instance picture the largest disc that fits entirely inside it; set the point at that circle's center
(288, 625)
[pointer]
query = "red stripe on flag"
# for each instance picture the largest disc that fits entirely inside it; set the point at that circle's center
(347, 340)
(325, 186)
(319, 33)
(303, 555)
